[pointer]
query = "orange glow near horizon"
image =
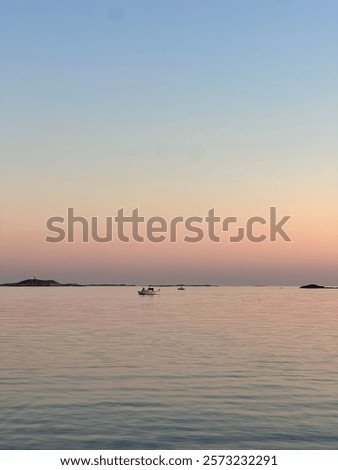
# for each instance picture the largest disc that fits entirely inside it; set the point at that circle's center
(309, 257)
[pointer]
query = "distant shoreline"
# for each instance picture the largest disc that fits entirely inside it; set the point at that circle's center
(51, 283)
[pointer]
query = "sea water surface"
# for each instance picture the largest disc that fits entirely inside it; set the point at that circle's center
(204, 368)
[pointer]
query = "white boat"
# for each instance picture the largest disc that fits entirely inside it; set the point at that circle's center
(181, 288)
(148, 291)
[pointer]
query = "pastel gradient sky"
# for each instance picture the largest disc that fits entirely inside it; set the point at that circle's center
(174, 107)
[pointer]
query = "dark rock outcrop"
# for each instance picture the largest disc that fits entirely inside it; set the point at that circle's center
(37, 283)
(312, 286)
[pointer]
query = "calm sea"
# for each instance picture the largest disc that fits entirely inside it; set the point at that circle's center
(205, 368)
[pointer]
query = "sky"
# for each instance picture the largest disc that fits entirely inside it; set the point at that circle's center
(173, 107)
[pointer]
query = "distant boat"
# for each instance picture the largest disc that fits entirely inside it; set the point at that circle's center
(181, 288)
(148, 291)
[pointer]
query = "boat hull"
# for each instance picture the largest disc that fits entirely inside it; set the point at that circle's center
(147, 293)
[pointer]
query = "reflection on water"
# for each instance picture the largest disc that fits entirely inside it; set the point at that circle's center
(207, 368)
